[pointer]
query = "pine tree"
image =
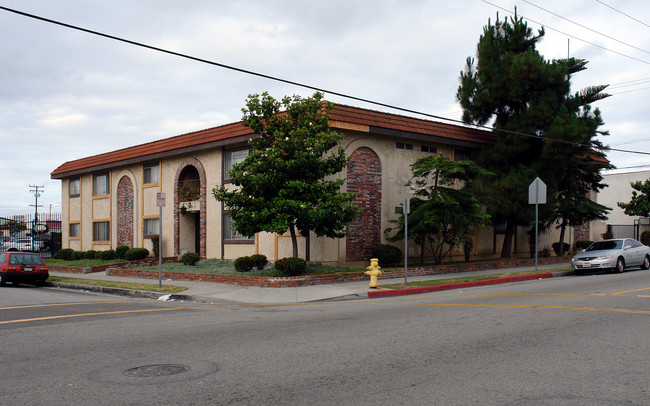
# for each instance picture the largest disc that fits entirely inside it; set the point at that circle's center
(513, 86)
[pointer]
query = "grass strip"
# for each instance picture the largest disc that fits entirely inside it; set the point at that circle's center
(117, 284)
(436, 282)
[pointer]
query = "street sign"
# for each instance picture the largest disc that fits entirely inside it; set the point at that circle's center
(537, 192)
(160, 199)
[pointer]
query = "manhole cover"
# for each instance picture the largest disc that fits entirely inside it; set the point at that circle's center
(148, 371)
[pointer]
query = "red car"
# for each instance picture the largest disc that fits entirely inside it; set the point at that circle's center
(20, 267)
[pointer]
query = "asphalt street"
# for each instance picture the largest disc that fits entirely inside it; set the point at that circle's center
(559, 341)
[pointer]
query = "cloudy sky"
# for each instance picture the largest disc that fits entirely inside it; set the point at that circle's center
(66, 94)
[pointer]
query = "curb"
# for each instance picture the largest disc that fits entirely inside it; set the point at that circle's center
(117, 291)
(424, 289)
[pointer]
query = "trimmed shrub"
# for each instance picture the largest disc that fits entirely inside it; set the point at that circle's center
(90, 254)
(120, 251)
(106, 255)
(582, 244)
(645, 238)
(65, 254)
(291, 266)
(607, 235)
(243, 264)
(190, 258)
(259, 261)
(556, 248)
(77, 255)
(386, 254)
(134, 254)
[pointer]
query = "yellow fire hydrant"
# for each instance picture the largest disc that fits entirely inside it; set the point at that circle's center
(373, 271)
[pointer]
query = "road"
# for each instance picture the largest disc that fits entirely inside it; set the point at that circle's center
(560, 341)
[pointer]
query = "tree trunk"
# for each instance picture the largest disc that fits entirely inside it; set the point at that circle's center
(506, 250)
(562, 230)
(294, 240)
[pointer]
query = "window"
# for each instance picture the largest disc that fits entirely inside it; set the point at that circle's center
(151, 226)
(426, 148)
(75, 230)
(101, 231)
(462, 155)
(401, 145)
(100, 184)
(74, 187)
(229, 233)
(150, 173)
(231, 158)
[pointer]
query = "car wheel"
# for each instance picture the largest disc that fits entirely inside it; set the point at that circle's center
(620, 265)
(646, 263)
(3, 282)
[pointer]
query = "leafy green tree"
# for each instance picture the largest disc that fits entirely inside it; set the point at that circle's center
(639, 205)
(287, 181)
(441, 216)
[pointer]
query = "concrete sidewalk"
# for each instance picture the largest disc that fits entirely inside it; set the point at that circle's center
(219, 293)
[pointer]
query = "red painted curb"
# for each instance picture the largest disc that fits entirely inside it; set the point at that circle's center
(424, 289)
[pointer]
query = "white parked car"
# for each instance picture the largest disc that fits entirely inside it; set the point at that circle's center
(617, 255)
(23, 244)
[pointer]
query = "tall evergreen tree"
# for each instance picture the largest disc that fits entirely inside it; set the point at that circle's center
(575, 165)
(528, 101)
(515, 88)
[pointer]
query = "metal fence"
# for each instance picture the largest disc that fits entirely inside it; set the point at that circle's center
(623, 230)
(29, 232)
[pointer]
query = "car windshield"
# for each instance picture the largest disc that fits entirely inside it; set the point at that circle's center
(25, 259)
(605, 245)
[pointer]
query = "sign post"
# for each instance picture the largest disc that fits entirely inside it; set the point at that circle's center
(160, 202)
(537, 196)
(406, 239)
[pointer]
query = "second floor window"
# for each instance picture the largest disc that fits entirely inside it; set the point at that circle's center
(231, 158)
(100, 184)
(150, 173)
(74, 187)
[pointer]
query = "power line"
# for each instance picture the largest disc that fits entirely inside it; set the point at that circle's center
(587, 28)
(290, 82)
(567, 34)
(626, 15)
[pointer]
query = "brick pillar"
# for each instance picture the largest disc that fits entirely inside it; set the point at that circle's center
(125, 212)
(364, 179)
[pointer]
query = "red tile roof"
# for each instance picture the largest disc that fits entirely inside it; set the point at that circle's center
(225, 134)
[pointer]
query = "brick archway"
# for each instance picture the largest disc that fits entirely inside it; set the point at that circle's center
(190, 161)
(125, 212)
(364, 179)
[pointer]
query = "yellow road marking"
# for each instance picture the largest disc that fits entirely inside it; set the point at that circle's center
(65, 316)
(69, 304)
(628, 291)
(522, 307)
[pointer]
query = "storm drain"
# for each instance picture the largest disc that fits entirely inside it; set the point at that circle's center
(156, 370)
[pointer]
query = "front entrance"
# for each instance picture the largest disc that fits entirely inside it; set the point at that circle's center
(189, 213)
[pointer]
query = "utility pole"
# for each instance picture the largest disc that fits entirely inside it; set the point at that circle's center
(36, 189)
